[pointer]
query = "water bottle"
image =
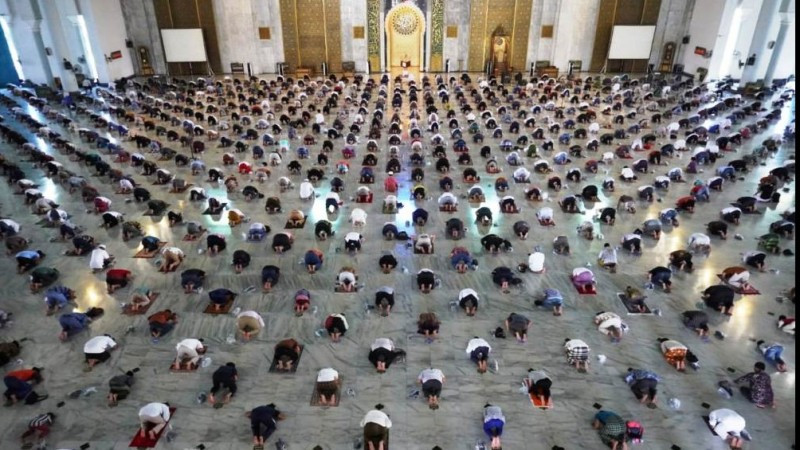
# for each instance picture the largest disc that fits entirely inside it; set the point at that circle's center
(405, 270)
(601, 359)
(236, 311)
(320, 332)
(674, 403)
(231, 339)
(205, 362)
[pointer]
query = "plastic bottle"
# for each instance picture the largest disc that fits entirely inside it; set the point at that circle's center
(724, 393)
(320, 332)
(674, 403)
(231, 339)
(236, 311)
(206, 362)
(405, 270)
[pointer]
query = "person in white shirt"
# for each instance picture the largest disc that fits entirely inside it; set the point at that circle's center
(100, 259)
(98, 349)
(448, 202)
(728, 425)
(610, 324)
(536, 262)
(700, 242)
(352, 241)
(153, 417)
(332, 202)
(346, 280)
(376, 426)
(468, 301)
(627, 174)
(424, 244)
(173, 256)
(358, 217)
(383, 353)
(197, 193)
(608, 258)
(306, 190)
(478, 350)
(545, 216)
(8, 227)
(125, 186)
(249, 323)
(522, 175)
(432, 381)
(189, 351)
(327, 386)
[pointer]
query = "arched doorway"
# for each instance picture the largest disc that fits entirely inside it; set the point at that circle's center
(405, 32)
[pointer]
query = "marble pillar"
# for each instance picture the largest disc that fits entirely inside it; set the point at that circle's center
(456, 14)
(143, 31)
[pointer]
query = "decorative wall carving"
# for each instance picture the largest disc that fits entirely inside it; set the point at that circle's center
(488, 15)
(312, 34)
(374, 33)
(437, 35)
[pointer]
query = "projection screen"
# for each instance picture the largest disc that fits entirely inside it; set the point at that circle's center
(183, 44)
(631, 42)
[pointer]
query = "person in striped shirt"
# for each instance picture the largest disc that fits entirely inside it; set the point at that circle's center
(40, 423)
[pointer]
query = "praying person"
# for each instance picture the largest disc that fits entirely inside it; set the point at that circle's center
(376, 425)
(98, 349)
(189, 351)
(263, 422)
(759, 388)
(493, 422)
(224, 377)
(119, 387)
(287, 353)
(153, 418)
(328, 383)
(478, 350)
(431, 381)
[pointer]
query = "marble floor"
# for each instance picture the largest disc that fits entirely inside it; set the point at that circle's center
(458, 423)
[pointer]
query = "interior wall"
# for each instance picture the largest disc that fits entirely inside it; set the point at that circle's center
(141, 26)
(106, 27)
(312, 34)
(190, 14)
(485, 17)
(354, 13)
(786, 61)
(703, 31)
(456, 49)
(621, 12)
(576, 21)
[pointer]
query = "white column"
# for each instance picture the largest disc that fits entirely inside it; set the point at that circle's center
(767, 27)
(780, 43)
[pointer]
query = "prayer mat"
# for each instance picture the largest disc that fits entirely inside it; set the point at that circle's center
(751, 290)
(223, 310)
(143, 253)
(632, 310)
(143, 441)
(130, 312)
(315, 395)
(443, 209)
(367, 199)
(289, 226)
(537, 403)
(390, 210)
(591, 291)
(190, 238)
(214, 212)
(273, 368)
